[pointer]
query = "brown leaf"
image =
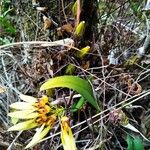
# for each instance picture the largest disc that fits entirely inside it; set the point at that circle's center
(133, 87)
(47, 23)
(86, 65)
(67, 28)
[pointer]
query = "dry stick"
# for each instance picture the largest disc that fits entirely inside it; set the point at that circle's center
(141, 95)
(55, 43)
(142, 73)
(62, 4)
(104, 87)
(42, 44)
(78, 12)
(10, 146)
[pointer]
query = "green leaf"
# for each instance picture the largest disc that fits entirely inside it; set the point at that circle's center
(137, 143)
(4, 41)
(131, 127)
(73, 82)
(134, 143)
(129, 142)
(134, 6)
(76, 106)
(7, 26)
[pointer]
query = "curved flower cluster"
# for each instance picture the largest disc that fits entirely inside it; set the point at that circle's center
(34, 112)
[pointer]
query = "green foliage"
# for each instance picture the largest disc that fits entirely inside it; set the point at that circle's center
(4, 40)
(73, 82)
(136, 8)
(129, 141)
(7, 26)
(134, 143)
(78, 104)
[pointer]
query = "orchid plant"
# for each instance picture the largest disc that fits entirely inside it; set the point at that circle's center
(41, 114)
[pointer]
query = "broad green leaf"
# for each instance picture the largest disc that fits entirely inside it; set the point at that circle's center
(41, 132)
(137, 143)
(73, 82)
(26, 125)
(129, 142)
(134, 6)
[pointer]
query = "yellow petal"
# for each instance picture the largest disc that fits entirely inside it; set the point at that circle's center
(28, 99)
(14, 120)
(23, 126)
(67, 138)
(25, 114)
(22, 105)
(41, 132)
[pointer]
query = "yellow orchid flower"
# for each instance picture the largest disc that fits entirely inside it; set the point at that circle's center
(40, 114)
(32, 113)
(67, 138)
(41, 132)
